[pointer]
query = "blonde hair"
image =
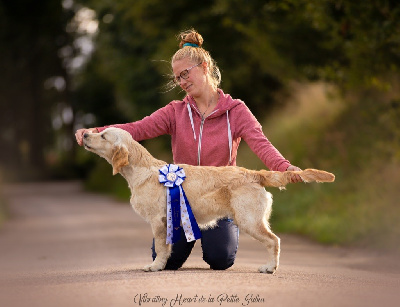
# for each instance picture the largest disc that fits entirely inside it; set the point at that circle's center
(197, 54)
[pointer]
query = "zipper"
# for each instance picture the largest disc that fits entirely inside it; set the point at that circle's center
(203, 119)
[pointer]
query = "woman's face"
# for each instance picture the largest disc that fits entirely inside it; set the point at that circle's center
(196, 80)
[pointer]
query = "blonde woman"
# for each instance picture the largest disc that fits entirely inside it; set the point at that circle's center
(206, 128)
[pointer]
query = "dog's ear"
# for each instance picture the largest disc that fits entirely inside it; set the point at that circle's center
(119, 158)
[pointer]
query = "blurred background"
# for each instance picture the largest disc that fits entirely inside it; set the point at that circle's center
(321, 76)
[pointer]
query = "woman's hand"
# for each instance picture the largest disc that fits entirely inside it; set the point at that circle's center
(80, 132)
(295, 178)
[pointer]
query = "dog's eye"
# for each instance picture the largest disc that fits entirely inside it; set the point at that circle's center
(103, 137)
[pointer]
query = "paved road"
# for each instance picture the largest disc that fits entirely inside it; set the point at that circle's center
(66, 247)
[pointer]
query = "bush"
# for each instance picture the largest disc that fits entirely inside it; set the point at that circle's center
(359, 142)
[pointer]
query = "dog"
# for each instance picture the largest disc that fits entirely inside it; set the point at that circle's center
(213, 192)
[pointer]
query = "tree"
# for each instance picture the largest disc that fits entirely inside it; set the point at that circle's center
(31, 35)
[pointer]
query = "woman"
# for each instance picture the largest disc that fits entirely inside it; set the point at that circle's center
(206, 128)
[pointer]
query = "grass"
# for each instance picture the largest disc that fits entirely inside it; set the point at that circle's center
(358, 140)
(364, 214)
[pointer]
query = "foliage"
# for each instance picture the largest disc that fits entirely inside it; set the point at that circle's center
(359, 142)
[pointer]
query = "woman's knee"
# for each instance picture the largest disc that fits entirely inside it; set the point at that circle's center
(220, 245)
(220, 261)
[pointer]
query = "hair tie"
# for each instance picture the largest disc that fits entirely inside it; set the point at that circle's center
(190, 44)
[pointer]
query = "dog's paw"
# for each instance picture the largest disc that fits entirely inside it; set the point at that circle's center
(152, 268)
(267, 269)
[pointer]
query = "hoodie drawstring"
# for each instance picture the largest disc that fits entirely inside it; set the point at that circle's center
(229, 137)
(191, 119)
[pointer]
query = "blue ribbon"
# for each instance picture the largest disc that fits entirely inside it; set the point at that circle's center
(191, 45)
(176, 213)
(193, 223)
(178, 207)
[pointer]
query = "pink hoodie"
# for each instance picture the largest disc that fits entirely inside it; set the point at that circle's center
(213, 140)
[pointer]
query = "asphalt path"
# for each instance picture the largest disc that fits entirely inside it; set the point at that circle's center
(63, 246)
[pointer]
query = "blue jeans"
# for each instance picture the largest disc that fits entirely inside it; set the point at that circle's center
(219, 246)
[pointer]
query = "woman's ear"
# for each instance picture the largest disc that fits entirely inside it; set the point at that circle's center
(120, 158)
(204, 65)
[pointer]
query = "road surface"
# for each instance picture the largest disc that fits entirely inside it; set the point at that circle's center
(63, 246)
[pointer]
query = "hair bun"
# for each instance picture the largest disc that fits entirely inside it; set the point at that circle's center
(190, 36)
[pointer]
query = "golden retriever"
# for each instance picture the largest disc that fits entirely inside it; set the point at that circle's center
(213, 192)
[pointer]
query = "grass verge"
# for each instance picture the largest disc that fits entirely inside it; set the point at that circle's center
(356, 138)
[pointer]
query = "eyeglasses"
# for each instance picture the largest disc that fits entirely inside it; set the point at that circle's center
(184, 74)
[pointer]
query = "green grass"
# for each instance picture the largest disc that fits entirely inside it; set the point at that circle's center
(364, 213)
(357, 139)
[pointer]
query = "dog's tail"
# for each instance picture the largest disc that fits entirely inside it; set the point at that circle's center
(281, 179)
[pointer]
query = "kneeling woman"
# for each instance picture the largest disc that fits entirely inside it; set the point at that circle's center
(206, 128)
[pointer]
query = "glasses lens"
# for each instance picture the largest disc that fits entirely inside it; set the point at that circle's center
(184, 74)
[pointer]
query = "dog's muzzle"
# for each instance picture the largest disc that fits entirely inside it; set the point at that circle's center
(85, 138)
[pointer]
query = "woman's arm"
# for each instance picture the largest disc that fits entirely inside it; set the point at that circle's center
(250, 130)
(158, 123)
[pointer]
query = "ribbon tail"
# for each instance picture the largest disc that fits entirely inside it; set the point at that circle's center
(169, 219)
(193, 224)
(176, 213)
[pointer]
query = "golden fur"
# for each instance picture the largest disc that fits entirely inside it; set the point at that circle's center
(213, 192)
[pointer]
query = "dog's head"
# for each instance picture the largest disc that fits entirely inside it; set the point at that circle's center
(110, 144)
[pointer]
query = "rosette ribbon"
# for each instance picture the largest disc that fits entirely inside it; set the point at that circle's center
(178, 207)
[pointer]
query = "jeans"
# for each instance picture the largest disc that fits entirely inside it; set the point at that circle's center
(219, 247)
